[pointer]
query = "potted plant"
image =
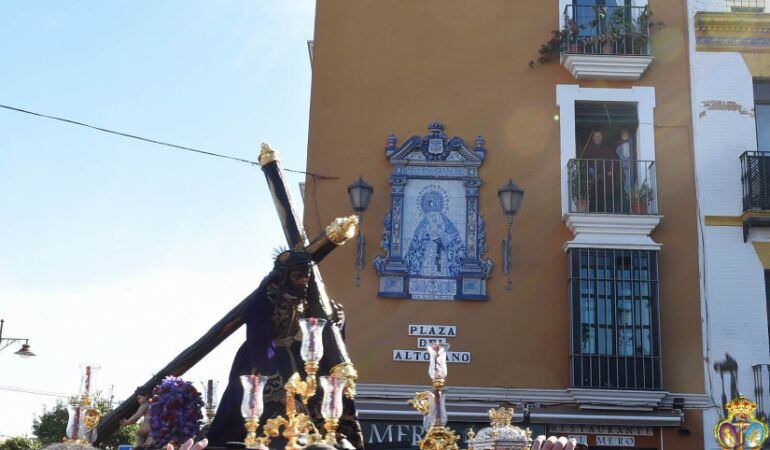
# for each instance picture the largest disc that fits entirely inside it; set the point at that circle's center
(610, 27)
(581, 184)
(617, 31)
(640, 198)
(567, 39)
(642, 28)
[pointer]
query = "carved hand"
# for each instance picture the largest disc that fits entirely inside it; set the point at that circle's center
(338, 316)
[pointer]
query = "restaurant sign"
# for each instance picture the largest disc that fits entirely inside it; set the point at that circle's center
(616, 441)
(614, 430)
(403, 435)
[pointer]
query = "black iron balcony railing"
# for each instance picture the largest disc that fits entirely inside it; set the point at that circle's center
(755, 177)
(749, 6)
(610, 30)
(612, 186)
(761, 388)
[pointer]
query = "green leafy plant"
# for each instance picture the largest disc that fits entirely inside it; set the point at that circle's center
(645, 26)
(560, 41)
(607, 27)
(640, 197)
(581, 184)
(19, 443)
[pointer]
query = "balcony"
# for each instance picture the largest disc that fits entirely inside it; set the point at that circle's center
(761, 388)
(755, 180)
(745, 6)
(606, 42)
(755, 177)
(611, 203)
(607, 186)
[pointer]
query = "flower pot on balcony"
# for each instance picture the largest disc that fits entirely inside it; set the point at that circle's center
(575, 48)
(608, 48)
(639, 206)
(581, 206)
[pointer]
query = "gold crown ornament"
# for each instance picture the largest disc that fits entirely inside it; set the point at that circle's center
(741, 406)
(741, 430)
(500, 417)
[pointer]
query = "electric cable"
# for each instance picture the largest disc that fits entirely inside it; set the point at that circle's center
(157, 142)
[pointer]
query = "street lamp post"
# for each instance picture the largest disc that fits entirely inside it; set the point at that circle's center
(360, 193)
(6, 342)
(510, 199)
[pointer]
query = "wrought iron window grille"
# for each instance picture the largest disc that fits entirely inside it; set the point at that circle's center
(615, 331)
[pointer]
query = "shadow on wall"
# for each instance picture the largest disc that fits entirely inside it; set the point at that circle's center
(728, 366)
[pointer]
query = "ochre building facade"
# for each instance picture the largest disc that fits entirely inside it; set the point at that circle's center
(437, 104)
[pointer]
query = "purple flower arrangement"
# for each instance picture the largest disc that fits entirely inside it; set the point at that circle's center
(175, 411)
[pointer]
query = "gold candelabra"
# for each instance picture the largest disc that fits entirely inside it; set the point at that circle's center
(432, 405)
(295, 424)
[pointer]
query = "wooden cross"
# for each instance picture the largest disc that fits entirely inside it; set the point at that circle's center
(319, 304)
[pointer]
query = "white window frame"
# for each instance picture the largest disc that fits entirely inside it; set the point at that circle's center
(568, 94)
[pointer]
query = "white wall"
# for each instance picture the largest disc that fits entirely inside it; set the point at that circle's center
(733, 289)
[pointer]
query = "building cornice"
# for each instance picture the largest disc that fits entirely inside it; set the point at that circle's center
(732, 32)
(591, 399)
(733, 221)
(619, 231)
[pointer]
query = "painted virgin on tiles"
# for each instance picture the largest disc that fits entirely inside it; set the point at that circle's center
(434, 236)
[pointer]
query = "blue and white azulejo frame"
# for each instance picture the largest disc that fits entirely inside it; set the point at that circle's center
(434, 236)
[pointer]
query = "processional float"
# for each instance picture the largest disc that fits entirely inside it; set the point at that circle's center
(319, 305)
(501, 435)
(295, 425)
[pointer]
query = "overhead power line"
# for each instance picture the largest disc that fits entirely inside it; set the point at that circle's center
(157, 142)
(46, 393)
(33, 391)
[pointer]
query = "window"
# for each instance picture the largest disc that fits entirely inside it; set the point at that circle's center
(762, 113)
(607, 177)
(615, 330)
(755, 165)
(614, 27)
(636, 106)
(767, 299)
(605, 130)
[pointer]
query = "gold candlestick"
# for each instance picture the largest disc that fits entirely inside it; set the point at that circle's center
(431, 404)
(305, 389)
(252, 423)
(331, 431)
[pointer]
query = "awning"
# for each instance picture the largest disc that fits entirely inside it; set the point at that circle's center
(479, 412)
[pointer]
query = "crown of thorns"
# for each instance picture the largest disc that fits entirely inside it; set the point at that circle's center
(296, 258)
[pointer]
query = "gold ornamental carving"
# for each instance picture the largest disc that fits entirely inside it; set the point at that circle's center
(267, 154)
(342, 229)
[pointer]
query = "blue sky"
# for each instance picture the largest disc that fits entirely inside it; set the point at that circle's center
(120, 252)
